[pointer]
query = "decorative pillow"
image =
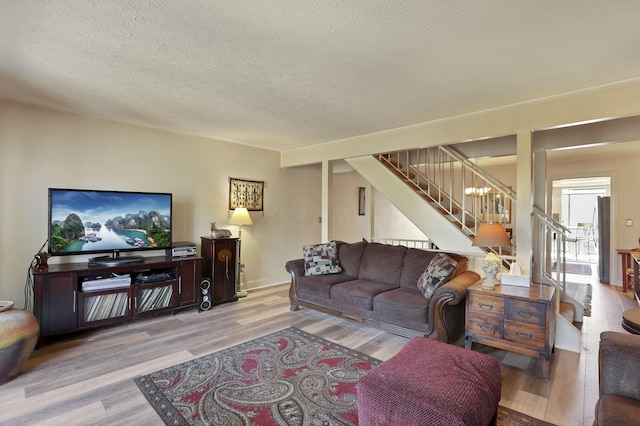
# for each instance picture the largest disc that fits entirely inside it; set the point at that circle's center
(439, 271)
(320, 259)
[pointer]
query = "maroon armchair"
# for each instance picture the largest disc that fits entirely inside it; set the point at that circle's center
(619, 369)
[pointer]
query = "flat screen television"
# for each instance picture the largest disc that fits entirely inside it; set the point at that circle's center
(108, 222)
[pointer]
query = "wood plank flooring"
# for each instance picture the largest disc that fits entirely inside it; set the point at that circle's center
(86, 378)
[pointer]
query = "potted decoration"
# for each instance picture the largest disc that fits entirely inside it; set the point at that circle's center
(19, 331)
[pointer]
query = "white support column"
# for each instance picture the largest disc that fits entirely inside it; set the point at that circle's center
(540, 200)
(524, 178)
(327, 184)
(369, 211)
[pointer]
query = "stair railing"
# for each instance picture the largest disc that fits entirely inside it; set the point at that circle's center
(462, 191)
(468, 196)
(549, 262)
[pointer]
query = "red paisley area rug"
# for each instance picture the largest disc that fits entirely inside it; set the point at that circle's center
(286, 378)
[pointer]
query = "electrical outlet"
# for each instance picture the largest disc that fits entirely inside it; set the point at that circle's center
(629, 222)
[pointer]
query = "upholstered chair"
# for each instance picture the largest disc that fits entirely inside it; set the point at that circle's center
(619, 379)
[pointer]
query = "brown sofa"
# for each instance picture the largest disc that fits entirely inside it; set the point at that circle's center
(619, 379)
(377, 285)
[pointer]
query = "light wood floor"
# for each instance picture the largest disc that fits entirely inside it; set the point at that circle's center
(86, 379)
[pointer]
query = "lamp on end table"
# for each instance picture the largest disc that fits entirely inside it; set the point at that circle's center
(491, 235)
(240, 217)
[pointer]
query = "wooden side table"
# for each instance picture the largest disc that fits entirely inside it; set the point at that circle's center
(627, 268)
(635, 258)
(517, 319)
(631, 320)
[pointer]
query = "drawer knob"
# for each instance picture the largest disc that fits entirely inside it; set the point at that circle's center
(486, 327)
(486, 306)
(524, 314)
(524, 335)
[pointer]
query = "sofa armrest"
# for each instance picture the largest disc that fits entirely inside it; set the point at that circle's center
(296, 269)
(619, 364)
(455, 290)
(446, 308)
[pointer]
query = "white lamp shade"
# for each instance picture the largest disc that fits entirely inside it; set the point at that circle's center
(240, 216)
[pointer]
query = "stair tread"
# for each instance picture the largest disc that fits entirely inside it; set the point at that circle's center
(442, 210)
(568, 311)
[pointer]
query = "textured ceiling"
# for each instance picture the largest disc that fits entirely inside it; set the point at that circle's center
(283, 74)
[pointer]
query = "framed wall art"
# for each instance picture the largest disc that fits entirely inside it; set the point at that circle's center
(361, 207)
(246, 193)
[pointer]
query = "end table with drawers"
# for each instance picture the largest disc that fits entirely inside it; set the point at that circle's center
(516, 319)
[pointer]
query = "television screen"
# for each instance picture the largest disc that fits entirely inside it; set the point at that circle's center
(92, 221)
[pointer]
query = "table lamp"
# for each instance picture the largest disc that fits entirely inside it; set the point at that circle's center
(491, 235)
(240, 217)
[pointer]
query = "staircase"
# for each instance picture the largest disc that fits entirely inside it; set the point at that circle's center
(454, 187)
(549, 248)
(447, 197)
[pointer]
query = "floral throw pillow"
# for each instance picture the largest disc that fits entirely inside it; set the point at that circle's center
(320, 259)
(439, 271)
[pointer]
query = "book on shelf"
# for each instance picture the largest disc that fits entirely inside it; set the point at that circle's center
(155, 298)
(105, 306)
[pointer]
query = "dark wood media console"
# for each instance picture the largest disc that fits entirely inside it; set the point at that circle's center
(62, 305)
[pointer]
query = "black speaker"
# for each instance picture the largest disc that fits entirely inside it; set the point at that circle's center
(205, 300)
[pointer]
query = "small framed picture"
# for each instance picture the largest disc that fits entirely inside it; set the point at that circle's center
(361, 201)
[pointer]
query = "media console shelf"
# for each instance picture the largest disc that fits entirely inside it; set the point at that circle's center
(76, 296)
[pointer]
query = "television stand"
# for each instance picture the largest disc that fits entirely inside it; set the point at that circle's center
(162, 284)
(114, 260)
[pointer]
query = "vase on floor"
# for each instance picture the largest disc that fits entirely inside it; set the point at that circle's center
(19, 331)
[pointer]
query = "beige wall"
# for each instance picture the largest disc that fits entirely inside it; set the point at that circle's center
(42, 148)
(347, 225)
(390, 222)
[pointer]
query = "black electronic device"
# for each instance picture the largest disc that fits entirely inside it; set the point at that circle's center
(205, 300)
(153, 278)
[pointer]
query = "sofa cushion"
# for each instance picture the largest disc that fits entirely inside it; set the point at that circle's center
(320, 259)
(317, 288)
(403, 306)
(358, 294)
(440, 270)
(350, 256)
(414, 263)
(382, 263)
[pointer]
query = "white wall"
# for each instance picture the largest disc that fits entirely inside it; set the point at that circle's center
(390, 222)
(42, 148)
(346, 224)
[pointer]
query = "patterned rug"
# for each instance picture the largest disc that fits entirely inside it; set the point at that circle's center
(575, 268)
(582, 293)
(285, 378)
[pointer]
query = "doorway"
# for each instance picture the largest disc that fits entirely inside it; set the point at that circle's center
(575, 204)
